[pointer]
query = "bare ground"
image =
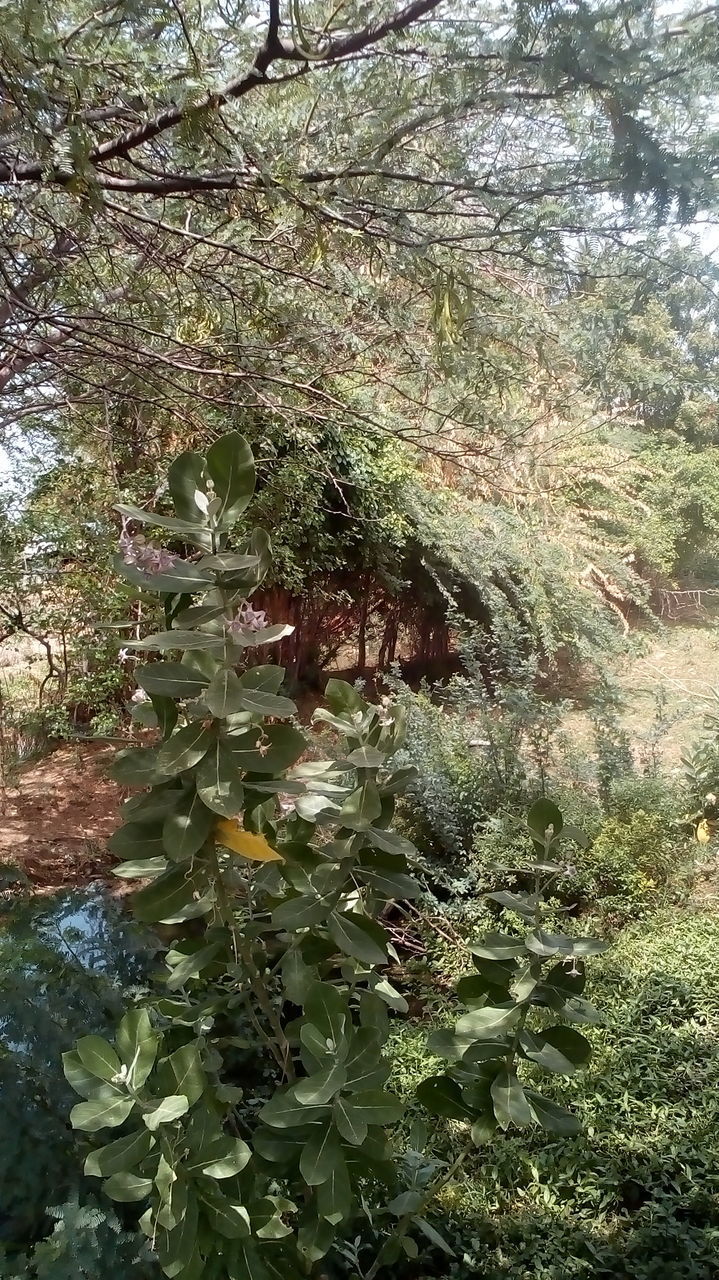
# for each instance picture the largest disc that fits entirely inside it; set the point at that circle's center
(58, 816)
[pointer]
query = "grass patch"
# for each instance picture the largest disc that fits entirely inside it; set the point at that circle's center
(636, 1196)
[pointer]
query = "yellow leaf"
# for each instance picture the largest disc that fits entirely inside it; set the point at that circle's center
(246, 843)
(704, 834)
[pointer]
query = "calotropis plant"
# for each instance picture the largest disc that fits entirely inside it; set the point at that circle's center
(523, 993)
(287, 866)
(249, 1093)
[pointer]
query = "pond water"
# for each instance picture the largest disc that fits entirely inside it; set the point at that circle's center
(69, 965)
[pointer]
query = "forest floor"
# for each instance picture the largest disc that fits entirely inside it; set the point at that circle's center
(56, 817)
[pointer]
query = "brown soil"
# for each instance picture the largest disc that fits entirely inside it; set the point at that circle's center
(57, 818)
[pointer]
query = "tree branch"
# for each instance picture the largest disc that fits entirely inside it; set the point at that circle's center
(274, 49)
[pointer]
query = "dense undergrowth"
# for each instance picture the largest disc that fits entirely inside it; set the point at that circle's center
(634, 1195)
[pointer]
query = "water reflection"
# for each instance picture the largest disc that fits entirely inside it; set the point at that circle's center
(68, 966)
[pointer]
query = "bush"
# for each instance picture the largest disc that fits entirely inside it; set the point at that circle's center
(628, 867)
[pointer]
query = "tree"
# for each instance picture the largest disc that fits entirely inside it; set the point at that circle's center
(239, 207)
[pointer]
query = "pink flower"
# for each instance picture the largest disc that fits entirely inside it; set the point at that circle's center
(247, 619)
(145, 555)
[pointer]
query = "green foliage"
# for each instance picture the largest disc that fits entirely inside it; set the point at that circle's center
(521, 1002)
(281, 1174)
(627, 868)
(631, 1195)
(229, 1177)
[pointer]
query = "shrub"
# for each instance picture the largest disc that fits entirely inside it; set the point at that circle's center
(627, 869)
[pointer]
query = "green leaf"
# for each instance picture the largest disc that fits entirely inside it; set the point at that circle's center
(328, 1009)
(508, 1099)
(185, 748)
(236, 1155)
(279, 1147)
(182, 579)
(137, 840)
(137, 767)
(498, 946)
(542, 815)
(576, 1009)
(343, 698)
(245, 638)
(334, 1195)
(127, 1187)
(282, 747)
(186, 1066)
(487, 1023)
(84, 1082)
(433, 1236)
(186, 829)
(231, 466)
(101, 1113)
(392, 998)
(306, 910)
(98, 1057)
(230, 562)
(171, 680)
(152, 806)
(484, 1128)
(361, 808)
(560, 1049)
(137, 1045)
(390, 842)
(442, 1096)
(266, 676)
(165, 713)
(405, 1202)
(192, 640)
(141, 869)
(185, 478)
(375, 1106)
(384, 874)
(314, 1240)
(550, 1116)
(261, 703)
(319, 1154)
(191, 966)
(366, 758)
(364, 1065)
(224, 694)
(524, 904)
(169, 1109)
(157, 522)
(283, 1111)
(119, 1156)
(351, 1124)
(218, 781)
(359, 936)
(553, 944)
(297, 976)
(170, 898)
(321, 1087)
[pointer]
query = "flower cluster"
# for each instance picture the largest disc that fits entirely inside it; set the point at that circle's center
(145, 555)
(247, 619)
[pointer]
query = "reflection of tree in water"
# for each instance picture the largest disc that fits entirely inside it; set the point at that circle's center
(67, 965)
